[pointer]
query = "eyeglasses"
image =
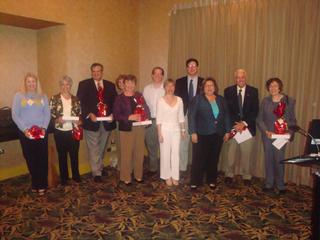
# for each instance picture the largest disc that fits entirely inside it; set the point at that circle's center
(192, 66)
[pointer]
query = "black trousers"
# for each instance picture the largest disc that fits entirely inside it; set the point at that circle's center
(205, 159)
(66, 144)
(36, 154)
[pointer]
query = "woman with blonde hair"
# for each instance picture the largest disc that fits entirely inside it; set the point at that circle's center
(31, 113)
(171, 128)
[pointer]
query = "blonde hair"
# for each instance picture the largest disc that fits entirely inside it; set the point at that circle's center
(168, 81)
(31, 75)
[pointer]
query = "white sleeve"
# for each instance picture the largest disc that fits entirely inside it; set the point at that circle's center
(180, 111)
(159, 114)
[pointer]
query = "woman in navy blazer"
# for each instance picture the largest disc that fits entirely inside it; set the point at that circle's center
(209, 126)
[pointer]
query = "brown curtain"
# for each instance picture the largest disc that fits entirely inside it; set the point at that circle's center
(267, 38)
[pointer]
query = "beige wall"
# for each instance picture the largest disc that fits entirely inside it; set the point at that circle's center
(52, 57)
(102, 30)
(154, 22)
(18, 56)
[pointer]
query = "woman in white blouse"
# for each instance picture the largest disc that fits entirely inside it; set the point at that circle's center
(170, 124)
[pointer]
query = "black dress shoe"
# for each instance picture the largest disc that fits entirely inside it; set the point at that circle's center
(97, 179)
(64, 183)
(77, 179)
(104, 172)
(267, 190)
(228, 180)
(282, 192)
(212, 185)
(193, 187)
(247, 182)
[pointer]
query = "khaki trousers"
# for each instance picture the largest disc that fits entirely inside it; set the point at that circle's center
(242, 153)
(132, 153)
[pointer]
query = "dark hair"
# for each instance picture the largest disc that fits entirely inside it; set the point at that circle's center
(169, 80)
(192, 60)
(210, 79)
(156, 68)
(121, 76)
(96, 65)
(130, 77)
(277, 80)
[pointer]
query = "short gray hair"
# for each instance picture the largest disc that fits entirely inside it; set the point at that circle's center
(67, 79)
(240, 70)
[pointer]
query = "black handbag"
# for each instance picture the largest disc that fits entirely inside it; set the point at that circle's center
(5, 117)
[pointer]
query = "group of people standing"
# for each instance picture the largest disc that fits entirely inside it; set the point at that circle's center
(188, 111)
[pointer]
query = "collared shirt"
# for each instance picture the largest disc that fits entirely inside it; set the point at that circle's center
(152, 95)
(242, 92)
(194, 83)
(98, 82)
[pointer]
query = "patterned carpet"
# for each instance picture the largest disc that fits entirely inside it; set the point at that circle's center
(151, 210)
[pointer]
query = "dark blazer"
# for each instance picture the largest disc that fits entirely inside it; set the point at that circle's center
(87, 93)
(122, 109)
(250, 108)
(201, 118)
(182, 91)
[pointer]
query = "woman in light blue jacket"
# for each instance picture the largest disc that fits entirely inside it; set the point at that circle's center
(31, 113)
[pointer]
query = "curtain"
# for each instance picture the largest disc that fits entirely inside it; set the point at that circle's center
(267, 38)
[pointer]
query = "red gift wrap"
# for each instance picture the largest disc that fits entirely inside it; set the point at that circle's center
(140, 109)
(280, 125)
(77, 133)
(36, 132)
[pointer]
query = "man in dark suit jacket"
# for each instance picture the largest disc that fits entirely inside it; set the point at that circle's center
(96, 132)
(243, 103)
(186, 88)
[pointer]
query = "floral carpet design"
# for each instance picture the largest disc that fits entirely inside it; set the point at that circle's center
(151, 210)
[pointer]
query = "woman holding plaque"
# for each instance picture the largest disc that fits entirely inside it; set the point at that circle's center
(209, 126)
(275, 115)
(129, 109)
(31, 113)
(65, 111)
(171, 128)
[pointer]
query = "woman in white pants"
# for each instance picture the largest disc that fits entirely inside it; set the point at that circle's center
(170, 124)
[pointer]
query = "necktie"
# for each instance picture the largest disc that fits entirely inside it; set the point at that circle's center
(99, 86)
(240, 103)
(190, 93)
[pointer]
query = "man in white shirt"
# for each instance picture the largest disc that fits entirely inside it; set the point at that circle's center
(152, 94)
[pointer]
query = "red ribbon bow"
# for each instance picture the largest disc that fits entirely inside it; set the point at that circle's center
(36, 132)
(279, 111)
